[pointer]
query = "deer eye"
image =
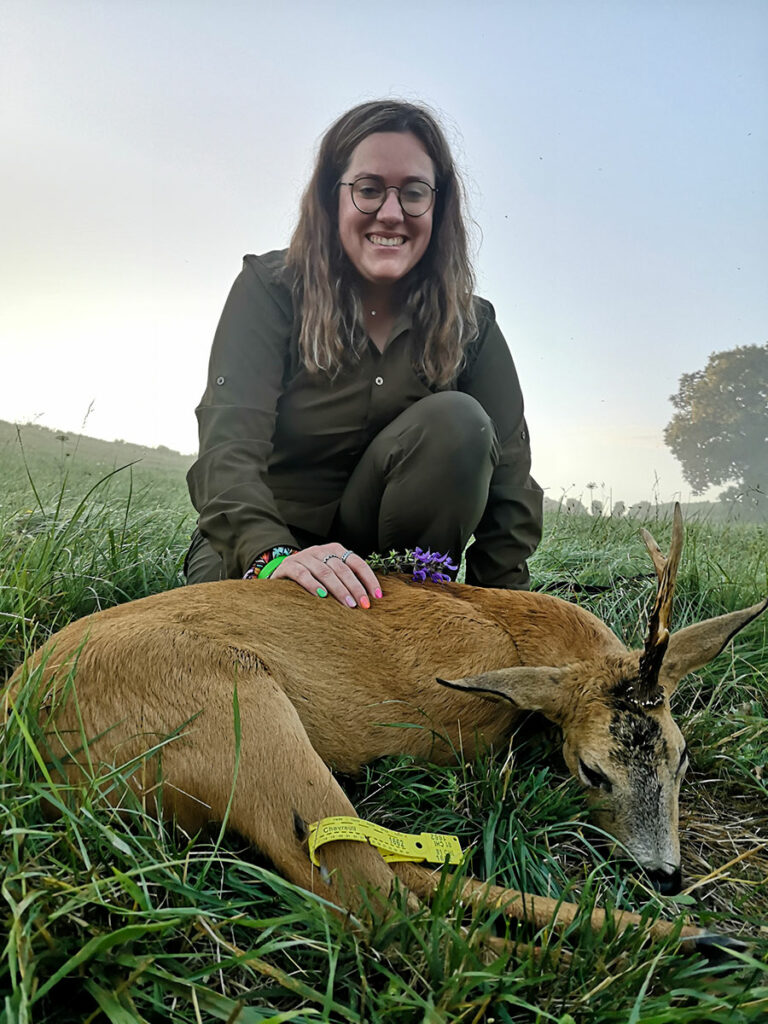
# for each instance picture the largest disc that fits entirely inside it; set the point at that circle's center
(593, 778)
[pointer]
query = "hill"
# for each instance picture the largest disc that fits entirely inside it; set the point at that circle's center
(55, 457)
(57, 462)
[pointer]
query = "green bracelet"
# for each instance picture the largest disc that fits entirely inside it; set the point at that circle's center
(270, 567)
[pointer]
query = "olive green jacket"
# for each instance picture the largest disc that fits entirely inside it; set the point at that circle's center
(278, 443)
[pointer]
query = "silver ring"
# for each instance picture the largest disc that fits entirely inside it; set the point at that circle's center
(346, 555)
(329, 557)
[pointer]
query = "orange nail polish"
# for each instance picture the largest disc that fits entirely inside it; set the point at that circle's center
(364, 602)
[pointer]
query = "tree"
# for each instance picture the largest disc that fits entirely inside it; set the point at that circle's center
(720, 432)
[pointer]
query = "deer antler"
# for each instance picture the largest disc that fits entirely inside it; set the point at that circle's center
(648, 692)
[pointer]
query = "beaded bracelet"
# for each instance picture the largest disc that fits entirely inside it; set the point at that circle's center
(255, 568)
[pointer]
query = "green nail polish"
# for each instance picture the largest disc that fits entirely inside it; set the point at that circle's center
(322, 592)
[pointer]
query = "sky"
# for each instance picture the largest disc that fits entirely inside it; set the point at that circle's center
(615, 153)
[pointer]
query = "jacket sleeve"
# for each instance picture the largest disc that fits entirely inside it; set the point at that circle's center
(510, 529)
(236, 419)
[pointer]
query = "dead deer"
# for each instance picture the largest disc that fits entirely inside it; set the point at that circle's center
(319, 689)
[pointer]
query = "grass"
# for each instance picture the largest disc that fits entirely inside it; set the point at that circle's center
(116, 917)
(83, 528)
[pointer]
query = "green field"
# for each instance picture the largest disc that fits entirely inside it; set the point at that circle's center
(120, 918)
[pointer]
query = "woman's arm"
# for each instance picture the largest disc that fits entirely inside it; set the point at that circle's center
(237, 414)
(236, 418)
(510, 529)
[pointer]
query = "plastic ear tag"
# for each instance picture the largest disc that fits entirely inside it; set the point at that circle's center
(433, 847)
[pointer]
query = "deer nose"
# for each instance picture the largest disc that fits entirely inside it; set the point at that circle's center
(668, 883)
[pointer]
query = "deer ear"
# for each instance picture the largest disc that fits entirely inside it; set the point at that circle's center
(531, 688)
(696, 645)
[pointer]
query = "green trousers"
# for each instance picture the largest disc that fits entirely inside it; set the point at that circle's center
(422, 482)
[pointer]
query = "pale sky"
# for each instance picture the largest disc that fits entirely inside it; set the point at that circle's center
(616, 153)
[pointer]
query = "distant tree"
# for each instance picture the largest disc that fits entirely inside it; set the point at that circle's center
(597, 507)
(720, 432)
(619, 508)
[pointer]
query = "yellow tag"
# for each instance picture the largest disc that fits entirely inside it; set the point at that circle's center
(433, 847)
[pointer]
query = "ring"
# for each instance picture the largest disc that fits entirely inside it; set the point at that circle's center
(329, 557)
(346, 555)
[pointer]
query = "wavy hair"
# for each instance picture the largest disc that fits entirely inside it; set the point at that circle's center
(438, 290)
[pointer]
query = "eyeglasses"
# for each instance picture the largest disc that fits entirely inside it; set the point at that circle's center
(370, 194)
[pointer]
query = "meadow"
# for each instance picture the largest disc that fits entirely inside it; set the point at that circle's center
(121, 918)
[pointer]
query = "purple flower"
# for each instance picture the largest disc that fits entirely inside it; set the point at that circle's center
(429, 564)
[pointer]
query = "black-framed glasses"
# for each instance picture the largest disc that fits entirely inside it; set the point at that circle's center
(370, 194)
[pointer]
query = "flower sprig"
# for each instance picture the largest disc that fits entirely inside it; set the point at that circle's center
(423, 565)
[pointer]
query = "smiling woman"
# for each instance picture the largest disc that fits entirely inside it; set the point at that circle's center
(360, 398)
(384, 235)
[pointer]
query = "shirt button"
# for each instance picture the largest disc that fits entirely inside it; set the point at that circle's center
(379, 381)
(219, 380)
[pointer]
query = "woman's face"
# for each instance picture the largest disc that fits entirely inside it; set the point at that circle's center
(385, 245)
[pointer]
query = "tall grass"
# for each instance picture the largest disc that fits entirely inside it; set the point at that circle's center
(111, 915)
(73, 541)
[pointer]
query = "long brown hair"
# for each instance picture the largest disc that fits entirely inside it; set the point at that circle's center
(438, 289)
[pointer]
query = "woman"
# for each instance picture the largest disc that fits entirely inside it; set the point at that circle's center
(359, 397)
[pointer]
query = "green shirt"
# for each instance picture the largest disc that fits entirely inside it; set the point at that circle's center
(278, 443)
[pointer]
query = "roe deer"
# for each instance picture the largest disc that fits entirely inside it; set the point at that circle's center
(320, 687)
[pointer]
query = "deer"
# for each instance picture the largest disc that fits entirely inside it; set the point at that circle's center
(319, 689)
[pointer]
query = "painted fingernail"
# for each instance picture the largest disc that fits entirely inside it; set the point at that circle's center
(351, 601)
(364, 602)
(322, 592)
(377, 592)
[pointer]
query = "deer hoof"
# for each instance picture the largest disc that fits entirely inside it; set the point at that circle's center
(720, 949)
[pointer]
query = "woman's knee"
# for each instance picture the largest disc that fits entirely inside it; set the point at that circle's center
(456, 424)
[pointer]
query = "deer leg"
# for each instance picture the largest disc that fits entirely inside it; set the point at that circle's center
(268, 787)
(277, 784)
(542, 911)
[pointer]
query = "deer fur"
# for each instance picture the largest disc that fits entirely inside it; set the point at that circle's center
(322, 689)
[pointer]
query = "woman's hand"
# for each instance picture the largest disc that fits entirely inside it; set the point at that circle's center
(331, 569)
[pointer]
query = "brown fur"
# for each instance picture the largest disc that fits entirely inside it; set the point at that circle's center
(322, 689)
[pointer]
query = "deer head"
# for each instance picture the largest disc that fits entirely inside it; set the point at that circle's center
(619, 738)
